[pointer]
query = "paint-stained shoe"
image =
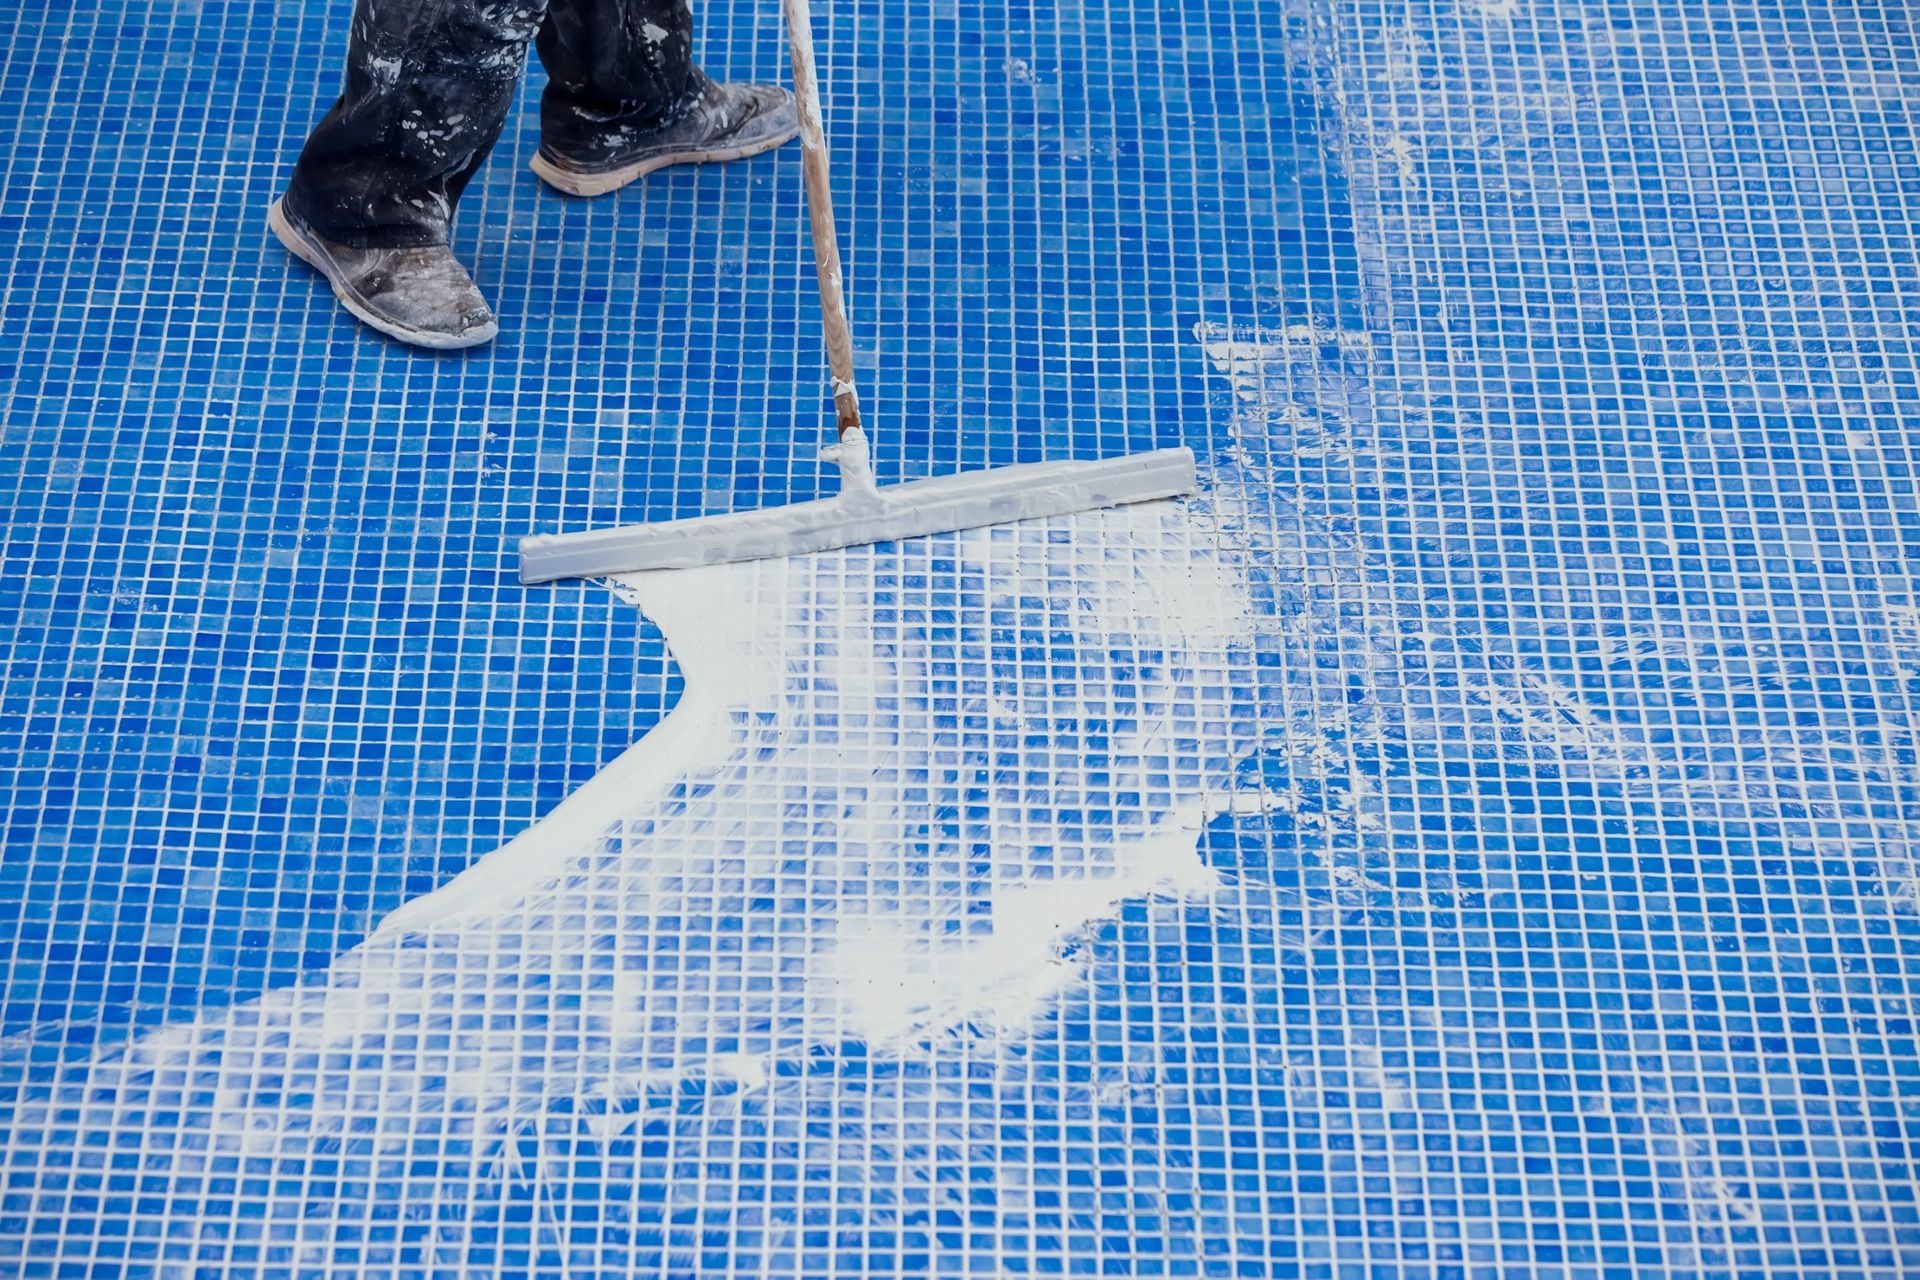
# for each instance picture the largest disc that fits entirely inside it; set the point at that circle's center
(422, 295)
(722, 122)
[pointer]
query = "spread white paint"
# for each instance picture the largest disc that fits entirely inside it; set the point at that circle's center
(774, 650)
(903, 794)
(898, 787)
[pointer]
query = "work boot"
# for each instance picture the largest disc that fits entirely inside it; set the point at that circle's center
(419, 295)
(721, 122)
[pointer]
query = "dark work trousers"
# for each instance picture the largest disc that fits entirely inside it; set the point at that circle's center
(428, 86)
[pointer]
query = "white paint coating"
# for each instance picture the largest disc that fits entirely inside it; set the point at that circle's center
(882, 813)
(767, 647)
(854, 458)
(899, 986)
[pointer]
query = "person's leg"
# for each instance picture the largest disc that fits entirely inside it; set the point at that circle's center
(428, 87)
(372, 197)
(611, 65)
(624, 97)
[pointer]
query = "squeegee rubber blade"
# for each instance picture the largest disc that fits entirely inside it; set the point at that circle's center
(945, 504)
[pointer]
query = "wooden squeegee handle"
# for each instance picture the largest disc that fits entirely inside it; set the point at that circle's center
(826, 243)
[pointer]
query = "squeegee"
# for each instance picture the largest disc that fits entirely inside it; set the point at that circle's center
(862, 512)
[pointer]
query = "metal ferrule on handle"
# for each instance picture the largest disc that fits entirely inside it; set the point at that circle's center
(826, 242)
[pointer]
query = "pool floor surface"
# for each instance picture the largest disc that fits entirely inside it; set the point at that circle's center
(1479, 835)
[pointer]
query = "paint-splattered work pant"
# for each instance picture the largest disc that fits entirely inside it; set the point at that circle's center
(428, 86)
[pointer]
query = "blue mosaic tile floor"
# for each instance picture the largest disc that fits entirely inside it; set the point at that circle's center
(1553, 368)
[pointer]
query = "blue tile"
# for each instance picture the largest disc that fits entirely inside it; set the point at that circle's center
(1554, 370)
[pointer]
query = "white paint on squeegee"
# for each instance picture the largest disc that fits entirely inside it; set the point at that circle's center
(863, 515)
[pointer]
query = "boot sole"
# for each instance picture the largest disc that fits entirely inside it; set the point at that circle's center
(296, 243)
(575, 183)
